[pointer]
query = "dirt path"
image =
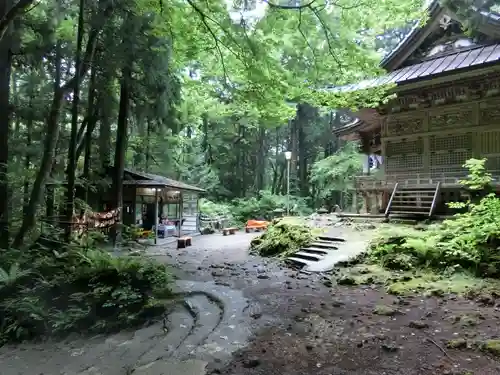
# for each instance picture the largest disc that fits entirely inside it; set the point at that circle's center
(246, 315)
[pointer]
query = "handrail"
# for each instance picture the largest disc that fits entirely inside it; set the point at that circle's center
(387, 181)
(434, 200)
(388, 208)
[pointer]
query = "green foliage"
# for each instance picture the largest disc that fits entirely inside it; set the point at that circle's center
(265, 206)
(469, 240)
(44, 292)
(213, 209)
(337, 172)
(478, 178)
(282, 239)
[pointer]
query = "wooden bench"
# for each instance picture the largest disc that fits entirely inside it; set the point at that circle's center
(184, 242)
(256, 225)
(227, 231)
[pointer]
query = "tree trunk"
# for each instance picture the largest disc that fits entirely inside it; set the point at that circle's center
(275, 185)
(88, 135)
(261, 160)
(71, 168)
(121, 145)
(105, 133)
(52, 135)
(5, 69)
(27, 160)
(148, 144)
(294, 143)
(8, 13)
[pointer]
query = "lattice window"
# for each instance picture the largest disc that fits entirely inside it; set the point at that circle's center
(490, 142)
(403, 162)
(451, 158)
(395, 163)
(405, 147)
(413, 161)
(451, 142)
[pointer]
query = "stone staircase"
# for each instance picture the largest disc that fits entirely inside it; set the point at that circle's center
(324, 253)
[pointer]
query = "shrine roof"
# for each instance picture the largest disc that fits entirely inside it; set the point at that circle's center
(137, 178)
(471, 58)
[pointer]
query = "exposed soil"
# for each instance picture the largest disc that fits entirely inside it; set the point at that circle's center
(328, 329)
(364, 331)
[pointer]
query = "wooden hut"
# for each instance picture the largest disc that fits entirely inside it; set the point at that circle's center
(147, 199)
(446, 110)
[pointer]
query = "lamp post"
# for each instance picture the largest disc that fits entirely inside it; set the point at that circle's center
(288, 157)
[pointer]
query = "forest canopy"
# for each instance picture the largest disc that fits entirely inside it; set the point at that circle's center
(207, 92)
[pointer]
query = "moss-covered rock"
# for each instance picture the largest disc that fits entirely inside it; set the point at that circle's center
(282, 239)
(491, 346)
(385, 310)
(457, 344)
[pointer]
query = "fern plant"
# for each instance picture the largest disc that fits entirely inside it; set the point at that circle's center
(12, 275)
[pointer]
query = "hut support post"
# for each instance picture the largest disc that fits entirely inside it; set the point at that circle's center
(156, 216)
(181, 198)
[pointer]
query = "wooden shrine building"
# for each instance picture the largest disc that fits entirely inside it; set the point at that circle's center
(446, 110)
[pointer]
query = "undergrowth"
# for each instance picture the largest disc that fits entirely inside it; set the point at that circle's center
(469, 241)
(283, 239)
(263, 206)
(76, 289)
(460, 249)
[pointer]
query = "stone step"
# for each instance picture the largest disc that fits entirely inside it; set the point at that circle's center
(207, 318)
(299, 261)
(324, 245)
(308, 256)
(316, 250)
(331, 239)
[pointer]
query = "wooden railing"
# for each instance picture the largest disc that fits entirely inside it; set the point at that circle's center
(388, 208)
(435, 199)
(388, 181)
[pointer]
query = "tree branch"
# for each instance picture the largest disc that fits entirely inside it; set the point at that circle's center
(273, 5)
(203, 19)
(12, 13)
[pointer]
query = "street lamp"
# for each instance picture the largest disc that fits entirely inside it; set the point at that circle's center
(288, 157)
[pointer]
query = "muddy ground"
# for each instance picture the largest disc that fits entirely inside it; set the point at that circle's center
(297, 324)
(329, 329)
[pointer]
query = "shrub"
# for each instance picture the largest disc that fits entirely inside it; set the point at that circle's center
(282, 239)
(211, 209)
(90, 290)
(265, 205)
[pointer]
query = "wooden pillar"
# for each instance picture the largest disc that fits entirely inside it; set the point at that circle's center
(197, 213)
(181, 199)
(134, 204)
(156, 215)
(355, 201)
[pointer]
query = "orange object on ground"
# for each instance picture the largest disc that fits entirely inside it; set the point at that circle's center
(256, 224)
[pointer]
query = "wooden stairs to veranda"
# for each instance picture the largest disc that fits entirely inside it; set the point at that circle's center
(415, 201)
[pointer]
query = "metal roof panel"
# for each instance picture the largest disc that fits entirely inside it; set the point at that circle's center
(483, 55)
